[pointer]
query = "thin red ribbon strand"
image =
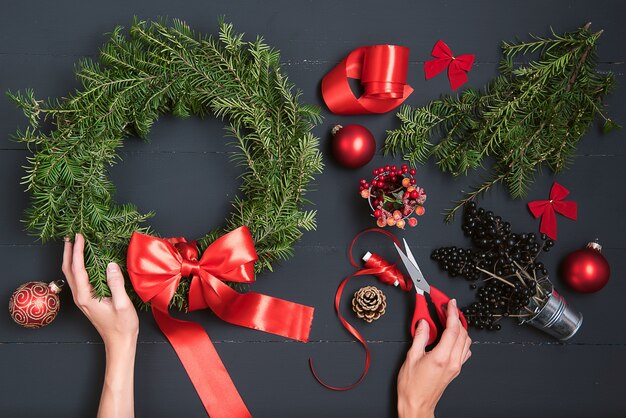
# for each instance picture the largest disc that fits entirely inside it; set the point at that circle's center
(156, 267)
(382, 70)
(547, 209)
(458, 67)
(386, 273)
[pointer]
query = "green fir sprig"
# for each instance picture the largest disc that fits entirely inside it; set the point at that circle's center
(158, 69)
(531, 115)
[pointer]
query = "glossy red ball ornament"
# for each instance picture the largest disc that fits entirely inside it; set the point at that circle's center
(353, 146)
(586, 270)
(35, 304)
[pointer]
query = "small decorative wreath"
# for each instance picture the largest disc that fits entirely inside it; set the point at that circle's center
(158, 69)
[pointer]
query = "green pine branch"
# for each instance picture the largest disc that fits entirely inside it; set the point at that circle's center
(529, 116)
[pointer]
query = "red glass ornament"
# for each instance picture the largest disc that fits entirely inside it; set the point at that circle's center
(353, 146)
(586, 270)
(35, 304)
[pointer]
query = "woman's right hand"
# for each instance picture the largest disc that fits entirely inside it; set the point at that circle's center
(425, 375)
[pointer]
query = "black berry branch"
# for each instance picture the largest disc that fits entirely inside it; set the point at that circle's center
(501, 265)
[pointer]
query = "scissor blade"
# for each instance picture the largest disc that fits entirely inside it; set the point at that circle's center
(409, 253)
(416, 275)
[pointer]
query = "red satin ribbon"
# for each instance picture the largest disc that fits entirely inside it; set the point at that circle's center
(386, 273)
(156, 267)
(382, 70)
(547, 209)
(458, 67)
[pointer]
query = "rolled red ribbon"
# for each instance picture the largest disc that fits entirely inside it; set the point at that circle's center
(382, 70)
(156, 266)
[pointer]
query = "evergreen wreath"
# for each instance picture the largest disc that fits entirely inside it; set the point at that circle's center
(531, 115)
(157, 69)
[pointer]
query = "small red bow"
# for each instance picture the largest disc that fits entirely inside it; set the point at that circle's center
(458, 67)
(547, 208)
(156, 267)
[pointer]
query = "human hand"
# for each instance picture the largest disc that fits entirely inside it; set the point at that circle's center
(115, 318)
(424, 376)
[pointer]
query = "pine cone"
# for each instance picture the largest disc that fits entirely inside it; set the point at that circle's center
(369, 303)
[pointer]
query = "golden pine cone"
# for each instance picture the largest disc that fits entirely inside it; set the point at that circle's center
(369, 303)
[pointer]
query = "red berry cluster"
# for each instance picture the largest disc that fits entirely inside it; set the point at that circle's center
(394, 196)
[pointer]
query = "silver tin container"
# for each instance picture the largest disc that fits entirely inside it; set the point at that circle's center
(556, 317)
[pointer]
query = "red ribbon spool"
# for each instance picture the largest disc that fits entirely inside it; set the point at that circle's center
(382, 70)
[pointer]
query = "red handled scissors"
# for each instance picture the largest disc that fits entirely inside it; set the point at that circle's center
(437, 297)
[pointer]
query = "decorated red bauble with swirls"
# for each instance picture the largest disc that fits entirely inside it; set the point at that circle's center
(586, 270)
(353, 146)
(35, 304)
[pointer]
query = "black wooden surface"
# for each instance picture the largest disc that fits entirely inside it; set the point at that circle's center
(58, 370)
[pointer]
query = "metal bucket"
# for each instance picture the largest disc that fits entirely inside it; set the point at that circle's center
(557, 318)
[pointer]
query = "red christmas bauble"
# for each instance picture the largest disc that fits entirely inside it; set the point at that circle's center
(353, 145)
(586, 270)
(35, 304)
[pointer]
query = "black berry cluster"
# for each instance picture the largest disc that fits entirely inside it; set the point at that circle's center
(503, 261)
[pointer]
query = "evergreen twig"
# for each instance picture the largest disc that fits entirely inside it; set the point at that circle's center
(530, 115)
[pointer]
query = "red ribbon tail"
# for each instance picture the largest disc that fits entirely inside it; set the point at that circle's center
(204, 367)
(456, 75)
(256, 311)
(548, 222)
(353, 331)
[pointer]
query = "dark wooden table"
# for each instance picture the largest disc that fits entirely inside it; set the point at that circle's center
(57, 371)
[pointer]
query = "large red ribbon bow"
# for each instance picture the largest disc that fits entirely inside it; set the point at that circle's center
(458, 67)
(382, 70)
(156, 267)
(547, 209)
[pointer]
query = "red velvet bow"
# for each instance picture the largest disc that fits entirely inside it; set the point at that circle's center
(547, 208)
(156, 267)
(458, 67)
(382, 70)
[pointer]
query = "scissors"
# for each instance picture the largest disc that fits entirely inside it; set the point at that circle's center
(437, 297)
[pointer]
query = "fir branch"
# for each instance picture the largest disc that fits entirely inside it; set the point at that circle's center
(530, 115)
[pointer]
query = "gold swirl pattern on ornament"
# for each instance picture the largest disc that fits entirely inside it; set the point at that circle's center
(33, 306)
